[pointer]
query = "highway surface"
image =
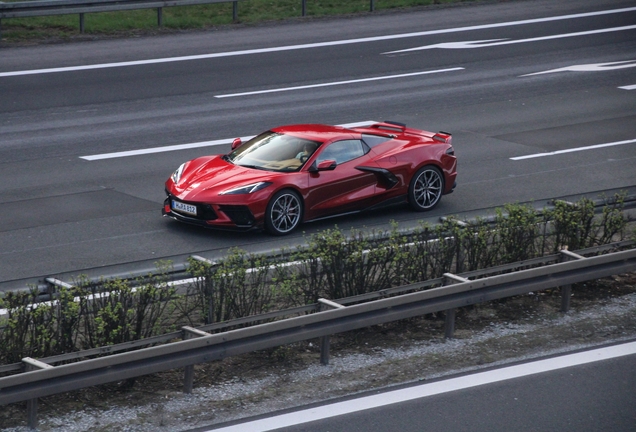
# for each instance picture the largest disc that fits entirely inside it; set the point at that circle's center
(584, 391)
(540, 97)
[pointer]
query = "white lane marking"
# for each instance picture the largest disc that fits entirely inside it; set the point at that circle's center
(592, 67)
(313, 45)
(160, 149)
(499, 42)
(336, 83)
(190, 146)
(432, 389)
(629, 87)
(577, 149)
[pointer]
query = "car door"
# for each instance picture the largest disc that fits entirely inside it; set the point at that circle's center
(344, 188)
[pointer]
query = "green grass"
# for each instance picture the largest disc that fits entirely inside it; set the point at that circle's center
(189, 17)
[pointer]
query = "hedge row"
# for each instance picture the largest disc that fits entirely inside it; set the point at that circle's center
(333, 265)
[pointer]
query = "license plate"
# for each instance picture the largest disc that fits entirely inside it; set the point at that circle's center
(184, 208)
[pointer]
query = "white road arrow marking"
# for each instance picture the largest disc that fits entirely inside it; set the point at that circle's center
(457, 45)
(592, 67)
(454, 45)
(499, 42)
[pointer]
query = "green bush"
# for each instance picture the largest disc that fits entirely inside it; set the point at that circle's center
(333, 266)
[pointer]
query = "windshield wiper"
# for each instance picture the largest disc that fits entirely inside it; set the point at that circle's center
(253, 167)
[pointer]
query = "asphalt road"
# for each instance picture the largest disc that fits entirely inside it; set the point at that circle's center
(585, 391)
(507, 79)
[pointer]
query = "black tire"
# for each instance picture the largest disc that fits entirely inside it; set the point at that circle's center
(284, 213)
(426, 188)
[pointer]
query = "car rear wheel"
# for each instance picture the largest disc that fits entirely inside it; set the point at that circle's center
(426, 188)
(284, 213)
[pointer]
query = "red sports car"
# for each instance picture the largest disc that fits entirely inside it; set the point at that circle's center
(299, 173)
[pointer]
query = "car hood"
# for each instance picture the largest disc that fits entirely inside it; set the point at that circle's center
(210, 177)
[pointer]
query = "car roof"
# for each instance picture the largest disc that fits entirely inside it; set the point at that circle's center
(316, 132)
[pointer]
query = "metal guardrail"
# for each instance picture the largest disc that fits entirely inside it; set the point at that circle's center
(35, 8)
(311, 308)
(204, 347)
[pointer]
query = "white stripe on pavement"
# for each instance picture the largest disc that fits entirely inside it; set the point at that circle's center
(572, 150)
(335, 83)
(189, 146)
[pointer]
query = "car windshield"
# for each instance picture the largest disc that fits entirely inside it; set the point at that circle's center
(273, 151)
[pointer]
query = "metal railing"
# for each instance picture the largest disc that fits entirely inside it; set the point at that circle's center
(41, 378)
(36, 8)
(311, 308)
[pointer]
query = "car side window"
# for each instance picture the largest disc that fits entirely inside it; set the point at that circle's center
(343, 151)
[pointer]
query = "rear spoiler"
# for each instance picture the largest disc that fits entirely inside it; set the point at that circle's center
(387, 125)
(390, 126)
(444, 137)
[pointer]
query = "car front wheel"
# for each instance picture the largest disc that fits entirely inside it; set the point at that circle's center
(284, 213)
(426, 188)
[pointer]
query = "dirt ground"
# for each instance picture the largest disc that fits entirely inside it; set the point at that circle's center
(407, 351)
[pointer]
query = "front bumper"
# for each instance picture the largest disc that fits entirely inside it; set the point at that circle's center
(236, 217)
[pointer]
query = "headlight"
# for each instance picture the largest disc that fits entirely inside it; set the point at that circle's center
(176, 176)
(247, 189)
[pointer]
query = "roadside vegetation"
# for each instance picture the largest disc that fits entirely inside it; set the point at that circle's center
(127, 23)
(334, 265)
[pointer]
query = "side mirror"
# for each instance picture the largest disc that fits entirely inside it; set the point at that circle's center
(327, 165)
(236, 143)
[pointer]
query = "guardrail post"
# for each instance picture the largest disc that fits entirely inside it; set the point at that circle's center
(566, 293)
(325, 341)
(188, 374)
(81, 17)
(235, 11)
(372, 6)
(449, 315)
(159, 17)
(32, 404)
(188, 379)
(449, 323)
(32, 413)
(566, 290)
